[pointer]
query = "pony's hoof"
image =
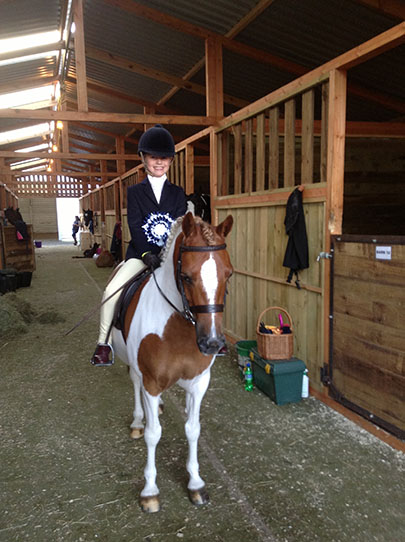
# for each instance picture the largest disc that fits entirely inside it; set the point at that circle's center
(137, 432)
(199, 497)
(150, 504)
(161, 409)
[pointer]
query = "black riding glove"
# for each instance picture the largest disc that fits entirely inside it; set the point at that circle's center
(151, 260)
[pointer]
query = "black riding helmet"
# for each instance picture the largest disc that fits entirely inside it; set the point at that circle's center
(157, 141)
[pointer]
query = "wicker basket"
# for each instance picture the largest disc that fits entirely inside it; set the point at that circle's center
(271, 346)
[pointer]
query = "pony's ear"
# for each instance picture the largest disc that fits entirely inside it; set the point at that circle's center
(188, 224)
(225, 227)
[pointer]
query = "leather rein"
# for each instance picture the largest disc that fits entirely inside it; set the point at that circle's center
(188, 311)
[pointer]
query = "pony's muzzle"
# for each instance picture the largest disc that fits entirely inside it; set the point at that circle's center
(209, 345)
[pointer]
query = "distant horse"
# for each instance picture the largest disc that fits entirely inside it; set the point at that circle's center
(172, 333)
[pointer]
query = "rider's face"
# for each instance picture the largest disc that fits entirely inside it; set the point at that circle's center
(157, 166)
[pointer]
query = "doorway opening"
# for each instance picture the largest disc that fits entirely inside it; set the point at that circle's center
(66, 210)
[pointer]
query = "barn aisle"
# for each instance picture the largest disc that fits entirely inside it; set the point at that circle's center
(69, 471)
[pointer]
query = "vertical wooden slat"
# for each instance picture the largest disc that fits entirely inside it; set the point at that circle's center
(189, 169)
(336, 149)
(213, 175)
(307, 147)
(182, 170)
(120, 149)
(80, 56)
(324, 131)
(260, 151)
(225, 164)
(335, 183)
(238, 161)
(65, 129)
(274, 150)
(248, 125)
(289, 143)
(214, 78)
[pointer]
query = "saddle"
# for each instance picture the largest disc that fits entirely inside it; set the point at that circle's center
(126, 296)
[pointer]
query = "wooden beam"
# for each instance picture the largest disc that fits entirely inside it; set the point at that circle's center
(180, 25)
(387, 40)
(97, 130)
(129, 65)
(396, 8)
(241, 25)
(118, 118)
(120, 151)
(214, 78)
(69, 155)
(336, 150)
(239, 48)
(66, 173)
(80, 55)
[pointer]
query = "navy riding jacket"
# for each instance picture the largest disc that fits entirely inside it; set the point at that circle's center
(149, 221)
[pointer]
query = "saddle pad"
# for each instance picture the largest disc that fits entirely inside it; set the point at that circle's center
(125, 298)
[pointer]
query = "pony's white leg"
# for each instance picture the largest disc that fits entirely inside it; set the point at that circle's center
(195, 392)
(150, 493)
(137, 422)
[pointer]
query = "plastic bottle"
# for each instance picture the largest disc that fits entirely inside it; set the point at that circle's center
(248, 377)
(305, 384)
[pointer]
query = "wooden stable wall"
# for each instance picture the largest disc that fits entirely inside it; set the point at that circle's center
(374, 194)
(294, 136)
(41, 213)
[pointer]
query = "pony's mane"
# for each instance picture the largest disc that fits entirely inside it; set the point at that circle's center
(173, 233)
(207, 233)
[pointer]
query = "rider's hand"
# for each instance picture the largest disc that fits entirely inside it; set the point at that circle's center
(151, 260)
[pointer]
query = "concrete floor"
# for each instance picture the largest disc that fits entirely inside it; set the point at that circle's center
(69, 472)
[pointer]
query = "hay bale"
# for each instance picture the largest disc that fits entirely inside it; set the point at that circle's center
(11, 320)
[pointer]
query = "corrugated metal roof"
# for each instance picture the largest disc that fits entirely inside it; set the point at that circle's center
(22, 17)
(307, 33)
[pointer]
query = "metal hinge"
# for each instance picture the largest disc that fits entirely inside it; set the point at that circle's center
(325, 375)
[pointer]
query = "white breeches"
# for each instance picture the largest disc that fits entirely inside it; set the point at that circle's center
(123, 272)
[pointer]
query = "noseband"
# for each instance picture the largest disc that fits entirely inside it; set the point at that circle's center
(189, 311)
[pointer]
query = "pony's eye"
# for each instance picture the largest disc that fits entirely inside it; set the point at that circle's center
(187, 279)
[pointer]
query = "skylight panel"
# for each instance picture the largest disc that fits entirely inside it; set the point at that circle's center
(28, 58)
(31, 96)
(28, 132)
(28, 41)
(33, 148)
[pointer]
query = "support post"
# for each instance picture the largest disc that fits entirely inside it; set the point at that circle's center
(214, 78)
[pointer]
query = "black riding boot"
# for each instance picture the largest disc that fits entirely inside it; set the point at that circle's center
(101, 356)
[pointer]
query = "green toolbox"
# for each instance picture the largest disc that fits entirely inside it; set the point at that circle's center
(281, 380)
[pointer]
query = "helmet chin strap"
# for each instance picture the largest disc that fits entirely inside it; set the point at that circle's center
(144, 164)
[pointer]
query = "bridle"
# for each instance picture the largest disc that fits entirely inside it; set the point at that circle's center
(188, 311)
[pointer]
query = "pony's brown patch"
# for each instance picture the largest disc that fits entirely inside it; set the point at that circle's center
(164, 361)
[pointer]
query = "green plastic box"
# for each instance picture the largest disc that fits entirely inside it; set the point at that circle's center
(281, 379)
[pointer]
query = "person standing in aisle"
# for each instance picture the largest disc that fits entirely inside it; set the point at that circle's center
(75, 228)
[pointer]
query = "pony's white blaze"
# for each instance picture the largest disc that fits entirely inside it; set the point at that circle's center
(209, 278)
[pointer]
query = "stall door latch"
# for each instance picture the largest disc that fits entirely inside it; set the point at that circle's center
(325, 256)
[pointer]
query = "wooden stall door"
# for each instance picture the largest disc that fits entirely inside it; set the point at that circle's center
(367, 365)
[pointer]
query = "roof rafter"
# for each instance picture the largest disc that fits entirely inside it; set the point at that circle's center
(235, 46)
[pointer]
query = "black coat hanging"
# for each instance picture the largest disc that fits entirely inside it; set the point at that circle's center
(296, 254)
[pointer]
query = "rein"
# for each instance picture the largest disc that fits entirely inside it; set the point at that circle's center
(189, 311)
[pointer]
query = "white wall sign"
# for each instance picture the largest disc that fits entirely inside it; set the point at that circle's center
(383, 253)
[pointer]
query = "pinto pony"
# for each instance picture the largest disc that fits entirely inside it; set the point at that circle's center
(172, 333)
